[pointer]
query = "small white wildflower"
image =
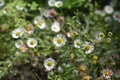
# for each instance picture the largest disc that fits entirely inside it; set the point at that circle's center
(108, 9)
(59, 40)
(58, 3)
(88, 47)
(32, 42)
(77, 43)
(51, 3)
(100, 36)
(55, 26)
(49, 64)
(17, 32)
(40, 22)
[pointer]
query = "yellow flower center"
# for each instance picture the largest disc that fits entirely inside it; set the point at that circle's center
(101, 35)
(106, 73)
(27, 28)
(40, 23)
(87, 47)
(59, 40)
(17, 33)
(86, 78)
(78, 43)
(22, 48)
(82, 67)
(59, 4)
(49, 63)
(31, 42)
(54, 28)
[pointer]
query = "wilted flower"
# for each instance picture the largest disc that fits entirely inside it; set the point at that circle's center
(58, 3)
(29, 28)
(23, 48)
(53, 13)
(49, 64)
(51, 2)
(17, 32)
(71, 34)
(108, 9)
(59, 40)
(77, 43)
(106, 73)
(32, 42)
(61, 19)
(89, 47)
(18, 43)
(55, 26)
(82, 67)
(40, 22)
(2, 3)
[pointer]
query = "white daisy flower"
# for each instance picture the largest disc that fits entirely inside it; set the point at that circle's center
(108, 9)
(55, 26)
(106, 73)
(77, 43)
(19, 7)
(40, 22)
(49, 64)
(51, 3)
(32, 42)
(2, 3)
(116, 15)
(17, 32)
(88, 47)
(18, 43)
(100, 36)
(58, 3)
(59, 40)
